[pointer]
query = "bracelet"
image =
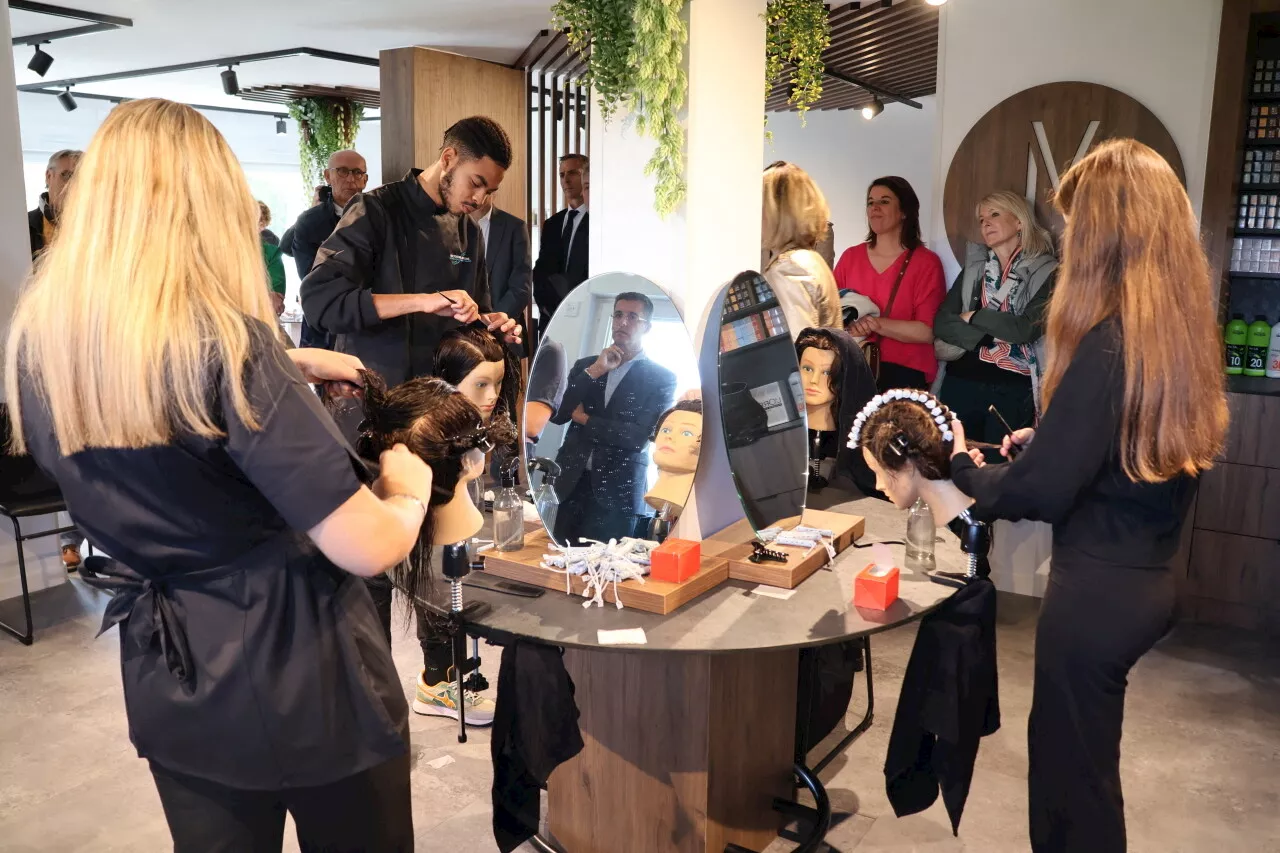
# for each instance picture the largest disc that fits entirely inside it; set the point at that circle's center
(422, 506)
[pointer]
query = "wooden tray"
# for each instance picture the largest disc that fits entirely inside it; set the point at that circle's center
(788, 575)
(650, 596)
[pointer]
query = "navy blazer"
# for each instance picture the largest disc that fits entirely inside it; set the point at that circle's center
(618, 433)
(554, 275)
(506, 257)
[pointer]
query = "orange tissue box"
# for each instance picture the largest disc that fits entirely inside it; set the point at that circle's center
(675, 560)
(875, 591)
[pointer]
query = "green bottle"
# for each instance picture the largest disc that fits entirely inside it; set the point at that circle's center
(1259, 340)
(1237, 338)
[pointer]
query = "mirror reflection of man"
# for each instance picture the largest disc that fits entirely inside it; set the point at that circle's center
(43, 221)
(612, 403)
(562, 248)
(346, 175)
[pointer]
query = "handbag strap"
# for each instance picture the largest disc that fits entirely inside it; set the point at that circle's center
(893, 294)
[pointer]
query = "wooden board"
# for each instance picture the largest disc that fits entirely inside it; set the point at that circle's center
(789, 575)
(650, 596)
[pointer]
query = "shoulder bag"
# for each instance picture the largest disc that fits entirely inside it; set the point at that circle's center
(870, 348)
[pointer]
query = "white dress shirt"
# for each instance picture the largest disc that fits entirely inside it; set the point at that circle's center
(484, 227)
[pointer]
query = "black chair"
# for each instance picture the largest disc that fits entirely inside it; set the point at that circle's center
(25, 492)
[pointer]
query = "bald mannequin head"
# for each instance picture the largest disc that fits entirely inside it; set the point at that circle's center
(342, 178)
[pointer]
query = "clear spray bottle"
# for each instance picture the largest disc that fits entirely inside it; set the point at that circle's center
(508, 511)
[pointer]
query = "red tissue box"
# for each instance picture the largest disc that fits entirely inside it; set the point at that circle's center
(675, 560)
(875, 592)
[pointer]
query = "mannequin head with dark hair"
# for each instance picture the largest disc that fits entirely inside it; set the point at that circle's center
(435, 421)
(905, 438)
(476, 362)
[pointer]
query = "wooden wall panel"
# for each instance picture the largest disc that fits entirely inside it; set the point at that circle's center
(1240, 499)
(1242, 570)
(425, 91)
(1254, 435)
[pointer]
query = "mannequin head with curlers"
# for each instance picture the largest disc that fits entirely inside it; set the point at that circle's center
(905, 438)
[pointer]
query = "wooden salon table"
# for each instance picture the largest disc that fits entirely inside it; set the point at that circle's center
(690, 738)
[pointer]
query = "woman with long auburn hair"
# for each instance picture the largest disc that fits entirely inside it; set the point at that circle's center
(1135, 410)
(145, 374)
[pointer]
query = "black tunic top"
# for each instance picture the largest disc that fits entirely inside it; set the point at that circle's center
(1071, 475)
(248, 658)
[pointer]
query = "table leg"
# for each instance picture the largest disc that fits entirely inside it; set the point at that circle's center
(685, 753)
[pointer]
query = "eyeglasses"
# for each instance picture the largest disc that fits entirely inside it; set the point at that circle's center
(627, 317)
(343, 171)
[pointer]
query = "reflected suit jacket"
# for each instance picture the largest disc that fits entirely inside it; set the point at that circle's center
(618, 433)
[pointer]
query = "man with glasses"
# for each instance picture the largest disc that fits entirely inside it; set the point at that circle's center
(347, 175)
(612, 404)
(44, 219)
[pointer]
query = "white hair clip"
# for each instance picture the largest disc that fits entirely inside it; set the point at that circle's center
(941, 415)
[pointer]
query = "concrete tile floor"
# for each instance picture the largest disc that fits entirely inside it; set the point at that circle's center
(1201, 752)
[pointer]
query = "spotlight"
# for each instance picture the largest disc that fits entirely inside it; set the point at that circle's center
(40, 62)
(280, 127)
(67, 100)
(230, 84)
(935, 2)
(873, 109)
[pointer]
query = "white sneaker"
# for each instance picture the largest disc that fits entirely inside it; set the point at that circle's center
(441, 700)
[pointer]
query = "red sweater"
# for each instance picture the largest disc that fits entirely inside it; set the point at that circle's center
(919, 298)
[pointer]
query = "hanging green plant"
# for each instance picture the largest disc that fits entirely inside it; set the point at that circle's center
(325, 125)
(634, 51)
(797, 33)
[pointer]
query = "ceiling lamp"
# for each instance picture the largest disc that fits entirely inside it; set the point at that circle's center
(40, 62)
(280, 127)
(230, 84)
(873, 109)
(67, 100)
(935, 2)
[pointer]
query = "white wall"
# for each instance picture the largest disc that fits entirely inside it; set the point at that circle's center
(1162, 53)
(844, 153)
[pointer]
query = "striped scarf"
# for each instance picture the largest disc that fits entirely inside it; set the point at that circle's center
(1012, 357)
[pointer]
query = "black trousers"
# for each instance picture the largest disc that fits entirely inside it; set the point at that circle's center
(899, 376)
(591, 514)
(1095, 623)
(970, 401)
(437, 648)
(369, 812)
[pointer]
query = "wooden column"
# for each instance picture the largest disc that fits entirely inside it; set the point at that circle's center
(684, 752)
(425, 91)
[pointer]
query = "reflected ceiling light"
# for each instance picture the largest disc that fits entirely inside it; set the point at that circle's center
(67, 100)
(935, 2)
(40, 62)
(230, 84)
(280, 127)
(873, 109)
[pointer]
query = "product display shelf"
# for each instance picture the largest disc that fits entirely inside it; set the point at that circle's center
(748, 311)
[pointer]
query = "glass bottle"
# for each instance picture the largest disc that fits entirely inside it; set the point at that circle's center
(508, 514)
(921, 532)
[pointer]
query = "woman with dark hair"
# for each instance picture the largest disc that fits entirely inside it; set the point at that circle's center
(904, 280)
(1133, 415)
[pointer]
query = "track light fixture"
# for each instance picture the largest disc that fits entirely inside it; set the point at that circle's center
(67, 100)
(281, 128)
(40, 62)
(873, 109)
(230, 84)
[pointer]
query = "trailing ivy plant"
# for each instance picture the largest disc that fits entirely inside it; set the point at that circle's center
(634, 51)
(325, 125)
(797, 33)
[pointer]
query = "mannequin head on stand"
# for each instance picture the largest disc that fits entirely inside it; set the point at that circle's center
(477, 363)
(677, 443)
(437, 422)
(821, 375)
(905, 438)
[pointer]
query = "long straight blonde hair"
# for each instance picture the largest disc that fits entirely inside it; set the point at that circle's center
(1131, 250)
(145, 288)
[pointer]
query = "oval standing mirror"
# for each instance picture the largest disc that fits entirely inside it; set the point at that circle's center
(613, 414)
(762, 404)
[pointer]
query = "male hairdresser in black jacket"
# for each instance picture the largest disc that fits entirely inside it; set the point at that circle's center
(404, 266)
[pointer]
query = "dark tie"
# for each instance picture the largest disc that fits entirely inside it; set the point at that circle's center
(568, 239)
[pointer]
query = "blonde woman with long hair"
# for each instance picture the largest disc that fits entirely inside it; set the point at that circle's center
(144, 375)
(794, 222)
(1135, 410)
(990, 327)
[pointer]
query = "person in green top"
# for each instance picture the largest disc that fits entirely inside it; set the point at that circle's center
(271, 256)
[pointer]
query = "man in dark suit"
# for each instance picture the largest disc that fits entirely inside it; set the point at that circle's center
(347, 175)
(562, 249)
(506, 257)
(614, 401)
(42, 221)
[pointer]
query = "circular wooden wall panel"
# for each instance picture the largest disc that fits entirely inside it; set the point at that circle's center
(1028, 139)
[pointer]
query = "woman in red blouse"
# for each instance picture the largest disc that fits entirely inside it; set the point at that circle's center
(905, 324)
